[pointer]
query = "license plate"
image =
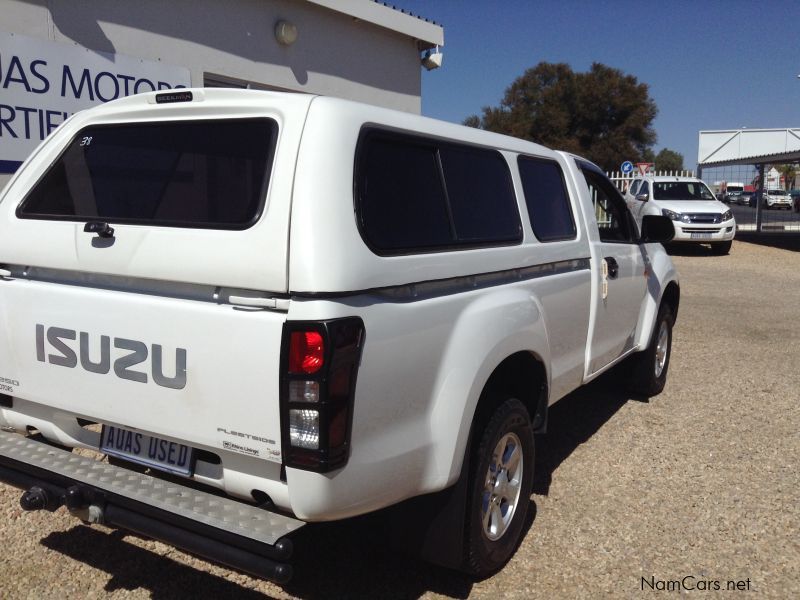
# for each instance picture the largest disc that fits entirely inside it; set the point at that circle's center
(147, 450)
(701, 236)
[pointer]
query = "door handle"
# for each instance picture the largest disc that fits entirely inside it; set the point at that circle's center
(613, 267)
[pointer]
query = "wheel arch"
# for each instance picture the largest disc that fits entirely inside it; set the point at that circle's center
(672, 297)
(523, 376)
(510, 372)
(663, 288)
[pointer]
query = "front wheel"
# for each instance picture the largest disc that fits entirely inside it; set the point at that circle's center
(501, 479)
(721, 248)
(649, 368)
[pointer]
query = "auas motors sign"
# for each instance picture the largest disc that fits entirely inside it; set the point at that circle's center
(42, 83)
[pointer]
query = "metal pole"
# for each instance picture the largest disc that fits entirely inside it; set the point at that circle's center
(760, 197)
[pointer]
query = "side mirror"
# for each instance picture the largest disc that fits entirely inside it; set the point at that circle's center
(657, 228)
(642, 197)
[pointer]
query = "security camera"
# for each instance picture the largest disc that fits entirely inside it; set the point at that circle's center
(432, 61)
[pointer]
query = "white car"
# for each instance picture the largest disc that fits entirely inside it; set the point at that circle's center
(777, 199)
(698, 216)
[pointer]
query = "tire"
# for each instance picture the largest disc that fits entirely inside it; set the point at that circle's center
(500, 483)
(721, 248)
(649, 368)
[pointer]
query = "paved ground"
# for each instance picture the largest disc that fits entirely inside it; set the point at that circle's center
(698, 485)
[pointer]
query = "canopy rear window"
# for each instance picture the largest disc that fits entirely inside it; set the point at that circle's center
(211, 174)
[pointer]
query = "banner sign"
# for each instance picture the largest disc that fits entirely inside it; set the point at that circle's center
(43, 82)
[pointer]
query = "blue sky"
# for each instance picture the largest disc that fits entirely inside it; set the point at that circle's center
(709, 64)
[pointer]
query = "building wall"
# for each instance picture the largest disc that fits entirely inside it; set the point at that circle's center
(234, 40)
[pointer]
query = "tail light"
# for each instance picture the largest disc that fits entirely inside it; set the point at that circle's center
(319, 364)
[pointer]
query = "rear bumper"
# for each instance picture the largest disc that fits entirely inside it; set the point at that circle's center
(218, 528)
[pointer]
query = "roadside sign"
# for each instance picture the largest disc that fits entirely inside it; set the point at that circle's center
(644, 167)
(627, 167)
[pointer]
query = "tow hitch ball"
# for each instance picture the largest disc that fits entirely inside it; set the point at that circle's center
(73, 498)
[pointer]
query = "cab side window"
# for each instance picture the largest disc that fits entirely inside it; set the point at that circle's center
(635, 186)
(644, 189)
(613, 218)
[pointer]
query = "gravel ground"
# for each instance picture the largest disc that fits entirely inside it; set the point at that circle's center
(699, 483)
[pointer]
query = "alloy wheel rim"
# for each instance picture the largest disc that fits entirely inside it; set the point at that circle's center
(503, 486)
(662, 346)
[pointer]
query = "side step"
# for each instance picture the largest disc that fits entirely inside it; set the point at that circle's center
(218, 528)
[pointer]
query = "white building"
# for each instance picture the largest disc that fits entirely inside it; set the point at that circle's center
(60, 56)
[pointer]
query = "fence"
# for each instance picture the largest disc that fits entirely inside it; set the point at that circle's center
(623, 180)
(750, 214)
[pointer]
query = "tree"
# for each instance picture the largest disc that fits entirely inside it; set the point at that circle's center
(472, 121)
(789, 173)
(668, 160)
(602, 114)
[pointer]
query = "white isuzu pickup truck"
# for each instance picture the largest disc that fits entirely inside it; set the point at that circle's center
(263, 309)
(698, 216)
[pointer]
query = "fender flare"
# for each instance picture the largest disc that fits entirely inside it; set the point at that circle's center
(465, 375)
(662, 279)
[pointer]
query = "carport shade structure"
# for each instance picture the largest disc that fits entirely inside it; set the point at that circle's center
(728, 147)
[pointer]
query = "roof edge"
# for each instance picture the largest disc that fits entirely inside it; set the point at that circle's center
(428, 33)
(744, 146)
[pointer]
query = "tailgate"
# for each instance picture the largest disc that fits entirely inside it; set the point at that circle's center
(118, 358)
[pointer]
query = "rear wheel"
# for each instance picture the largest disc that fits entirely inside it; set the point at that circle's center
(649, 368)
(501, 479)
